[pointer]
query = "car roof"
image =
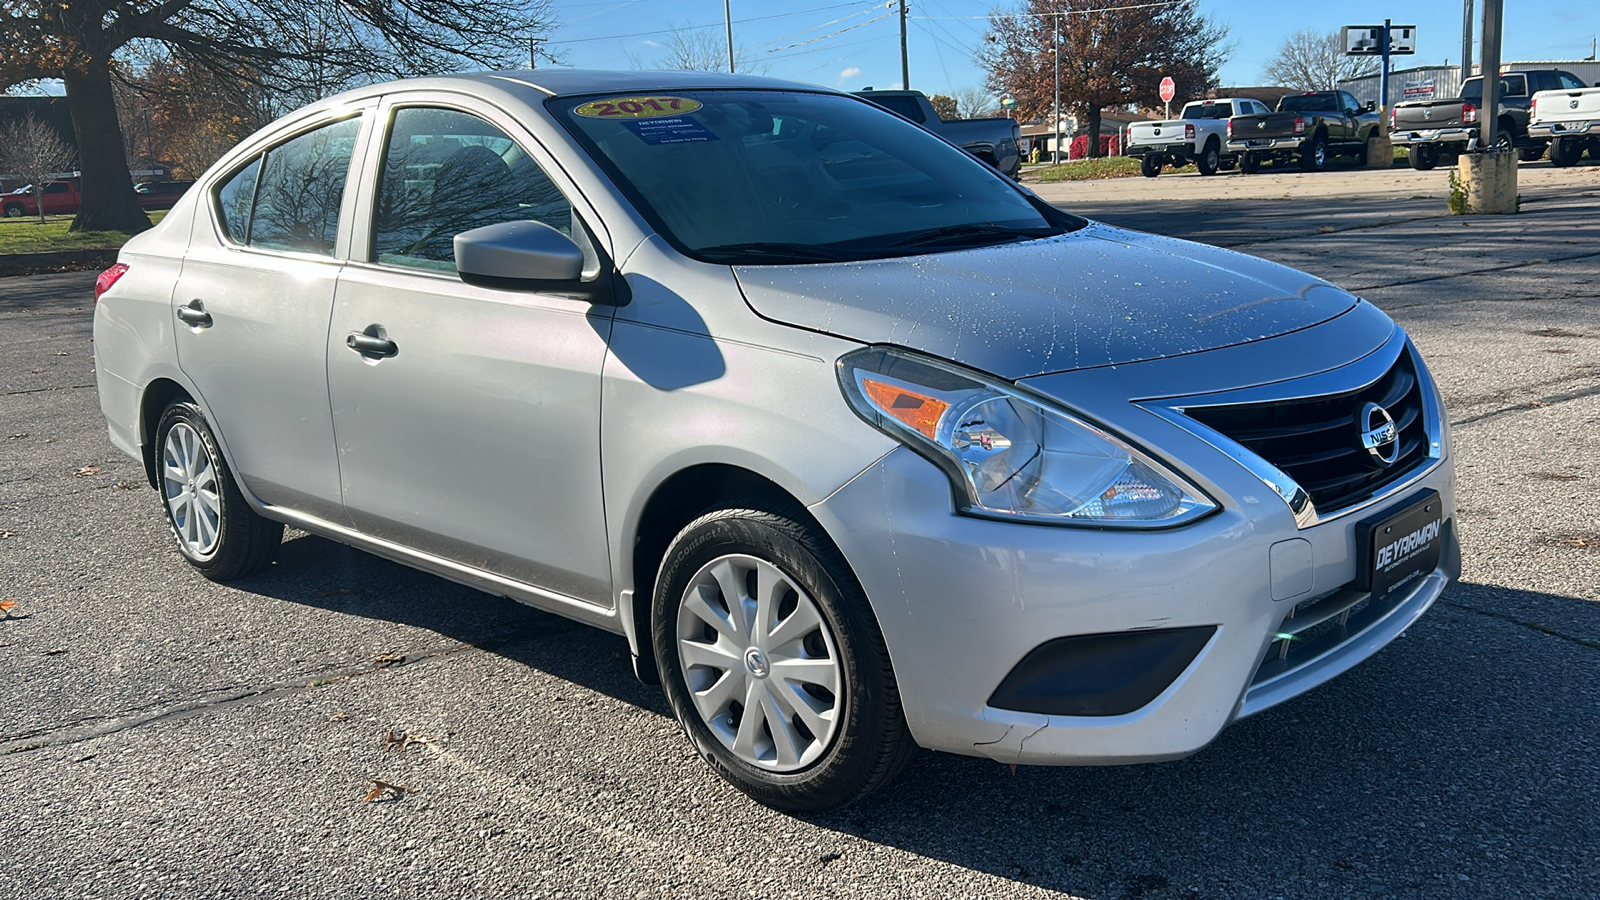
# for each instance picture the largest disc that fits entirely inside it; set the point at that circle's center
(570, 82)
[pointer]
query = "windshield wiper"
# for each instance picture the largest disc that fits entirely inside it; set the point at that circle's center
(775, 252)
(955, 235)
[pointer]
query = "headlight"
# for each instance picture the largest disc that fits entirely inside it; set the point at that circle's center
(1010, 456)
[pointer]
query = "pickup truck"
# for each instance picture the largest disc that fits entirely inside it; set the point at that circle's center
(1197, 135)
(1435, 131)
(60, 197)
(1569, 120)
(996, 141)
(1309, 128)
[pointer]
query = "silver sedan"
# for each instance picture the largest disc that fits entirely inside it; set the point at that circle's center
(861, 445)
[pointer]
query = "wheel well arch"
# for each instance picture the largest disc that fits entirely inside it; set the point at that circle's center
(1212, 141)
(679, 500)
(1508, 124)
(158, 395)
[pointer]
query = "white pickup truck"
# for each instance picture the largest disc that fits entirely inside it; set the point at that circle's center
(1199, 134)
(1569, 120)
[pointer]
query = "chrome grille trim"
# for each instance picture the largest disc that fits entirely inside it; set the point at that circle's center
(1357, 376)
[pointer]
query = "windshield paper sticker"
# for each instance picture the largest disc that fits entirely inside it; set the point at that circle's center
(637, 107)
(669, 131)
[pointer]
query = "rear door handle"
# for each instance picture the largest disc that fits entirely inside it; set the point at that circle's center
(195, 314)
(365, 343)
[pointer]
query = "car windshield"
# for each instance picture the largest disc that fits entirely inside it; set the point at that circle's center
(777, 177)
(1208, 111)
(1308, 103)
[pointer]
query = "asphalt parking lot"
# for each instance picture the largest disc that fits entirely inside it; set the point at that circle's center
(163, 736)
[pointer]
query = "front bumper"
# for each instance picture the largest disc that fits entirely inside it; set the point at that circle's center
(1434, 136)
(963, 601)
(1265, 145)
(1548, 130)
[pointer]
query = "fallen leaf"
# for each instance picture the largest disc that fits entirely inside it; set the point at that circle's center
(385, 660)
(1582, 540)
(1536, 404)
(340, 716)
(6, 606)
(39, 371)
(54, 651)
(403, 741)
(125, 486)
(86, 471)
(386, 789)
(6, 534)
(63, 353)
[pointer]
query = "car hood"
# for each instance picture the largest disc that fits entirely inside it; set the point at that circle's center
(1098, 296)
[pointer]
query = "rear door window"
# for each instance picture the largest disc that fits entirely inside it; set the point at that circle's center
(300, 190)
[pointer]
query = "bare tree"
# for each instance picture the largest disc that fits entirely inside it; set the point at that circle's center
(1311, 60)
(34, 150)
(689, 48)
(975, 103)
(295, 48)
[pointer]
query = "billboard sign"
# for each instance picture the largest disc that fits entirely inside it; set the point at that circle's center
(1367, 40)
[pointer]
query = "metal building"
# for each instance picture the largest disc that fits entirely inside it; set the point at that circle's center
(1442, 82)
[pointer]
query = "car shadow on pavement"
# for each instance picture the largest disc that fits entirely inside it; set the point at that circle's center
(1457, 759)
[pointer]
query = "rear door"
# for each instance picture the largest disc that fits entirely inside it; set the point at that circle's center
(477, 439)
(252, 308)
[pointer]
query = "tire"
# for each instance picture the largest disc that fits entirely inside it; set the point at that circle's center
(1565, 152)
(1530, 154)
(1210, 159)
(1249, 164)
(14, 211)
(1503, 141)
(1314, 157)
(701, 645)
(1149, 166)
(1423, 157)
(216, 530)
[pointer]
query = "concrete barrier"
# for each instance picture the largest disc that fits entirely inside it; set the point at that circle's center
(1484, 183)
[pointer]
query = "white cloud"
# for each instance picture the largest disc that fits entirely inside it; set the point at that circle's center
(851, 72)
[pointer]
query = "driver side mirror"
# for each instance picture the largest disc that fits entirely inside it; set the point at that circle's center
(527, 256)
(1372, 106)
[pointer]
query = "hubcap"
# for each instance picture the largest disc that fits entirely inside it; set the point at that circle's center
(189, 486)
(760, 663)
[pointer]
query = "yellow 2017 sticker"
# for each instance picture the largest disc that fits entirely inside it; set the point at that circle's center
(637, 107)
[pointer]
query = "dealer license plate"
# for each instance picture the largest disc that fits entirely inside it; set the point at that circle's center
(1396, 548)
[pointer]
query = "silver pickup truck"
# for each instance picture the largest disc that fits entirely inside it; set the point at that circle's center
(1199, 134)
(996, 141)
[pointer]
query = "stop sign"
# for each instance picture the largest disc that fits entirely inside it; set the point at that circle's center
(1168, 90)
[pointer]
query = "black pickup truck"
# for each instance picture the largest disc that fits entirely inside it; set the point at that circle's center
(1310, 128)
(1438, 131)
(997, 141)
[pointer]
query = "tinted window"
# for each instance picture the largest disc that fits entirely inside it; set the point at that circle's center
(234, 199)
(1510, 86)
(445, 172)
(56, 188)
(779, 177)
(1568, 82)
(301, 188)
(1208, 111)
(1308, 103)
(903, 105)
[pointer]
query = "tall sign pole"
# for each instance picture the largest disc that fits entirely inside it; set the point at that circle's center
(905, 62)
(1490, 69)
(1466, 39)
(727, 17)
(1383, 79)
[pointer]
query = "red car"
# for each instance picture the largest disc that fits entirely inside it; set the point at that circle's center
(60, 197)
(160, 194)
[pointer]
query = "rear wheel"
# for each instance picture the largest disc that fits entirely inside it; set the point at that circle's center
(1529, 154)
(1423, 157)
(1210, 159)
(1314, 156)
(1249, 163)
(1565, 152)
(217, 531)
(1150, 166)
(773, 662)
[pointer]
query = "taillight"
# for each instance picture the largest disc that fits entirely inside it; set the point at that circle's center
(108, 278)
(1188, 131)
(1230, 129)
(1394, 119)
(1533, 107)
(1299, 124)
(1469, 113)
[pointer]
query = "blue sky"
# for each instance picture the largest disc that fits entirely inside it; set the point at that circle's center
(855, 44)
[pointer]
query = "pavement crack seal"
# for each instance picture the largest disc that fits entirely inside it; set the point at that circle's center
(1541, 403)
(1535, 626)
(1468, 272)
(59, 387)
(234, 697)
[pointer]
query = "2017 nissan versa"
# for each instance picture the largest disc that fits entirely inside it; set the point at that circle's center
(863, 446)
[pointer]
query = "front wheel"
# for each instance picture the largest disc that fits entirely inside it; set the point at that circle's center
(773, 662)
(1150, 166)
(217, 531)
(13, 211)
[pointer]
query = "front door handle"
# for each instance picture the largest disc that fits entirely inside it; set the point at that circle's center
(195, 314)
(366, 343)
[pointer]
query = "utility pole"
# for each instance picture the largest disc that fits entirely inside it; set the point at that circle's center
(1489, 67)
(1383, 78)
(727, 17)
(1466, 39)
(1055, 126)
(905, 62)
(533, 53)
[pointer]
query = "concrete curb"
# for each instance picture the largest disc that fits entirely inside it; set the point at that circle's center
(57, 261)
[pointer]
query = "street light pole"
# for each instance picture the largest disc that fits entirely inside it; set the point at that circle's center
(727, 17)
(1466, 40)
(905, 61)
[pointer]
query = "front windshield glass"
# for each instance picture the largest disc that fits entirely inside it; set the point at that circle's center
(757, 177)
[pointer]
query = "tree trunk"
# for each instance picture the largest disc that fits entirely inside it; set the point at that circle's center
(1094, 132)
(108, 201)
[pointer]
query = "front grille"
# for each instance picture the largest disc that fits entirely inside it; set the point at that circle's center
(1317, 442)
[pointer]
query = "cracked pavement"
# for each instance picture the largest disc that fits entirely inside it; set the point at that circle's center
(162, 736)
